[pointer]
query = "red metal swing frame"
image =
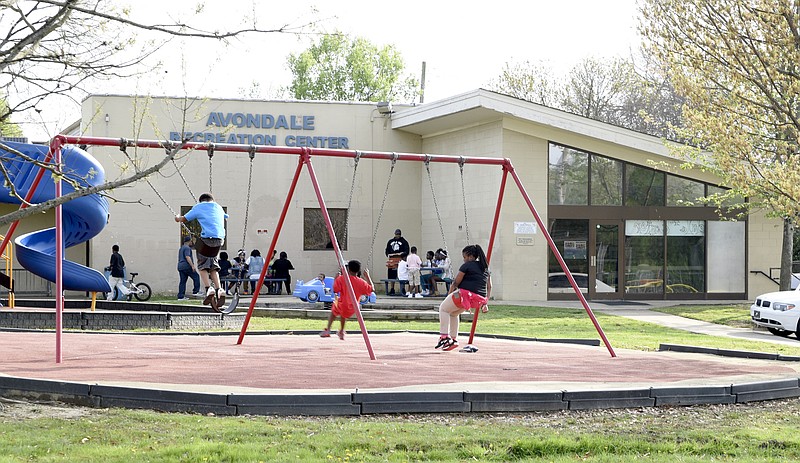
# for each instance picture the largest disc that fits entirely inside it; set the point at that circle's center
(304, 159)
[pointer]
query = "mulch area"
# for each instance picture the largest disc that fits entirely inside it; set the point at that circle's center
(406, 361)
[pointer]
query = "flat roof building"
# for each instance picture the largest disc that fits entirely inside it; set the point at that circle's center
(621, 211)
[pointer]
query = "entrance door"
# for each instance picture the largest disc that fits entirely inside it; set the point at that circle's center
(604, 259)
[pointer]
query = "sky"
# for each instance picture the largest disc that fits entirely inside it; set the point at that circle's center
(464, 47)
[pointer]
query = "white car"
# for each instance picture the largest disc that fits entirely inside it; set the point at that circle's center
(779, 312)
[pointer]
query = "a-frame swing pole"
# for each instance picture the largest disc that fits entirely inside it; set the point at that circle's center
(560, 259)
(350, 292)
(491, 242)
(55, 146)
(272, 245)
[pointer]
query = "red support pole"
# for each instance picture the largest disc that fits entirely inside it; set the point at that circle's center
(491, 241)
(560, 259)
(272, 245)
(56, 148)
(350, 292)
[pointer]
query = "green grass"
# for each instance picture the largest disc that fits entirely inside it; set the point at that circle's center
(741, 433)
(737, 316)
(548, 322)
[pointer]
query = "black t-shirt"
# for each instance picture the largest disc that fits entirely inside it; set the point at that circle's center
(117, 265)
(474, 278)
(281, 268)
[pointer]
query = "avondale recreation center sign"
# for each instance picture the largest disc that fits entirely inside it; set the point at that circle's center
(225, 128)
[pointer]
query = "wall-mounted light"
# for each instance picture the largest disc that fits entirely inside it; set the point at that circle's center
(107, 118)
(385, 107)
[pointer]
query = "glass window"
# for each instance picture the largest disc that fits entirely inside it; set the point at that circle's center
(568, 176)
(726, 257)
(686, 256)
(315, 233)
(644, 256)
(606, 181)
(571, 238)
(643, 187)
(684, 192)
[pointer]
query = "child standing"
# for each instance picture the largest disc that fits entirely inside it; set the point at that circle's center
(470, 290)
(343, 307)
(414, 263)
(402, 274)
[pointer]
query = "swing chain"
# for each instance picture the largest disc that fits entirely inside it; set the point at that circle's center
(435, 202)
(352, 189)
(249, 187)
(210, 149)
(461, 162)
(383, 203)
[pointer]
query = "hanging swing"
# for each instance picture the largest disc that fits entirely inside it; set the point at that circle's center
(234, 302)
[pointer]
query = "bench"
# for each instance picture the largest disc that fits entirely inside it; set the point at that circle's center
(403, 284)
(271, 284)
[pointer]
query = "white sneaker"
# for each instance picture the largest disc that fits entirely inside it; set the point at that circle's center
(409, 295)
(418, 295)
(425, 292)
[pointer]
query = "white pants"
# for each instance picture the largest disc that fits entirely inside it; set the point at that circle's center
(449, 317)
(118, 283)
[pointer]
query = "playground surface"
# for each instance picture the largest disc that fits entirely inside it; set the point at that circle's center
(139, 369)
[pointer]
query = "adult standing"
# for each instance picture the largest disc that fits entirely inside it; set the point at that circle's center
(187, 269)
(395, 248)
(281, 268)
(117, 277)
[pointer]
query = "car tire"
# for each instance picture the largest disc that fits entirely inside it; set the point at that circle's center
(779, 332)
(312, 296)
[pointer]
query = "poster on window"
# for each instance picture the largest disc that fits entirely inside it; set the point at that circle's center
(574, 249)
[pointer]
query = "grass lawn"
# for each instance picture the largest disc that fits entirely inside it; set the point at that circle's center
(763, 432)
(737, 316)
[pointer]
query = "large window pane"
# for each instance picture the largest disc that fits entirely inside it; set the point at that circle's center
(315, 233)
(643, 187)
(644, 256)
(568, 179)
(685, 256)
(606, 181)
(571, 238)
(726, 257)
(684, 192)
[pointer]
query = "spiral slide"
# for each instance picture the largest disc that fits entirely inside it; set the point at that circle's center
(82, 218)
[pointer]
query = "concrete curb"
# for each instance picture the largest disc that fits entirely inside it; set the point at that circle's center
(366, 403)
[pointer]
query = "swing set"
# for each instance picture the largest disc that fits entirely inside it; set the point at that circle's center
(305, 155)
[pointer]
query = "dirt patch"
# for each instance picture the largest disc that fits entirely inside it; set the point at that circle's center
(20, 410)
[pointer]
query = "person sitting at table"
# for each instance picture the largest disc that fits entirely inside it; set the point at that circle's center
(442, 262)
(426, 272)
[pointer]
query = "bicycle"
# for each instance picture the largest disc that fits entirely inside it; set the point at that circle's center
(141, 291)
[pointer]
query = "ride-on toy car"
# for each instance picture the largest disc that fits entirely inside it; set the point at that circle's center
(779, 312)
(322, 291)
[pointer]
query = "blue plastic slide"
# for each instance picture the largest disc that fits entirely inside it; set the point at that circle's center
(82, 218)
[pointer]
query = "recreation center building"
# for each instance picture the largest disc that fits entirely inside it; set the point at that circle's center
(621, 211)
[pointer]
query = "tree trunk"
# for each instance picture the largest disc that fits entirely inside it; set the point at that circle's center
(786, 255)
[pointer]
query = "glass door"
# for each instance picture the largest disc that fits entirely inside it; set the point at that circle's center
(604, 260)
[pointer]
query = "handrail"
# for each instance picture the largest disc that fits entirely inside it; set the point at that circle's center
(760, 272)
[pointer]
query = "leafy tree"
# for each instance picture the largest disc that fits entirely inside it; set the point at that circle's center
(339, 68)
(735, 62)
(617, 91)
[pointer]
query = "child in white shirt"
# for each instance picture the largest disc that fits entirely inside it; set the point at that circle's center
(414, 264)
(402, 272)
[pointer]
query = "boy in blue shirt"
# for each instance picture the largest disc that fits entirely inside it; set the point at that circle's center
(211, 217)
